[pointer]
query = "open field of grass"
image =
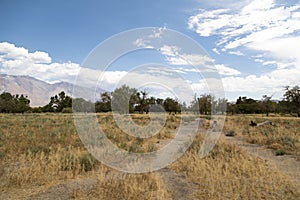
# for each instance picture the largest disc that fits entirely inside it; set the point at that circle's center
(284, 135)
(41, 151)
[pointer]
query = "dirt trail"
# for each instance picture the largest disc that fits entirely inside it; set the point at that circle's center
(64, 191)
(288, 164)
(177, 185)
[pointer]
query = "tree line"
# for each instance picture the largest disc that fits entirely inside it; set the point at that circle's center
(129, 100)
(290, 104)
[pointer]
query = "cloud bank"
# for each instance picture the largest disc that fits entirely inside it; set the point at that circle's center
(265, 32)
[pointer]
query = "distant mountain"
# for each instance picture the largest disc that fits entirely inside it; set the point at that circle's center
(39, 92)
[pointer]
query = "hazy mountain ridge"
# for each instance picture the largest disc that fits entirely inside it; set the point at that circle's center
(39, 92)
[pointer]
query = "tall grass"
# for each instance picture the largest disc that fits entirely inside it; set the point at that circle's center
(229, 173)
(38, 151)
(283, 135)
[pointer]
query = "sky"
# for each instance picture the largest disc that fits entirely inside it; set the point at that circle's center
(252, 45)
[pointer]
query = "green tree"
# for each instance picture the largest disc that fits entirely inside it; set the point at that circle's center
(172, 105)
(267, 104)
(7, 103)
(58, 103)
(22, 104)
(104, 105)
(81, 105)
(246, 105)
(14, 103)
(124, 99)
(194, 105)
(142, 102)
(221, 105)
(292, 97)
(205, 104)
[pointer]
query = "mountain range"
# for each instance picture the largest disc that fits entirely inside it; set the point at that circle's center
(39, 92)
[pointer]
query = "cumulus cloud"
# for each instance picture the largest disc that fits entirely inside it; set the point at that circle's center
(174, 57)
(237, 53)
(161, 81)
(223, 70)
(259, 25)
(264, 28)
(19, 61)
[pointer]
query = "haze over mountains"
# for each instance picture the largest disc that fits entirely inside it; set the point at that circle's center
(39, 92)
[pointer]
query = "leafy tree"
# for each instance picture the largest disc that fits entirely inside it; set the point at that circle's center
(267, 104)
(105, 104)
(292, 97)
(246, 105)
(58, 103)
(7, 103)
(231, 108)
(124, 99)
(205, 104)
(155, 105)
(172, 105)
(142, 102)
(81, 105)
(221, 105)
(14, 104)
(159, 101)
(22, 103)
(194, 105)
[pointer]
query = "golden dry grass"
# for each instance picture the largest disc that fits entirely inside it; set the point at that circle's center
(285, 135)
(229, 173)
(39, 151)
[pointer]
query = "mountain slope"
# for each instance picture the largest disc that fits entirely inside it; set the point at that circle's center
(39, 92)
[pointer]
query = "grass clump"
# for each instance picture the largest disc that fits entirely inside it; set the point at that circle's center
(87, 162)
(230, 133)
(280, 152)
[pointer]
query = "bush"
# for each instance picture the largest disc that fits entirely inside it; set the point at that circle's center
(288, 141)
(87, 162)
(230, 133)
(68, 162)
(67, 110)
(39, 149)
(280, 152)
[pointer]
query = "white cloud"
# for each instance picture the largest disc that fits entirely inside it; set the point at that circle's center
(10, 51)
(19, 61)
(157, 32)
(259, 25)
(142, 43)
(175, 57)
(113, 77)
(232, 4)
(145, 42)
(169, 50)
(237, 53)
(216, 51)
(223, 70)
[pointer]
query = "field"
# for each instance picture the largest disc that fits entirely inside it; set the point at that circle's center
(42, 157)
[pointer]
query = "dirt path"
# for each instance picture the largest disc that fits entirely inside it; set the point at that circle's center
(177, 185)
(288, 164)
(64, 191)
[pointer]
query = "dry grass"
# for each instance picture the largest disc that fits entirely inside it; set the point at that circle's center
(127, 186)
(229, 173)
(38, 151)
(41, 150)
(284, 135)
(134, 144)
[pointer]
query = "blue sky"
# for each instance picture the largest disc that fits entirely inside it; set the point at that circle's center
(253, 44)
